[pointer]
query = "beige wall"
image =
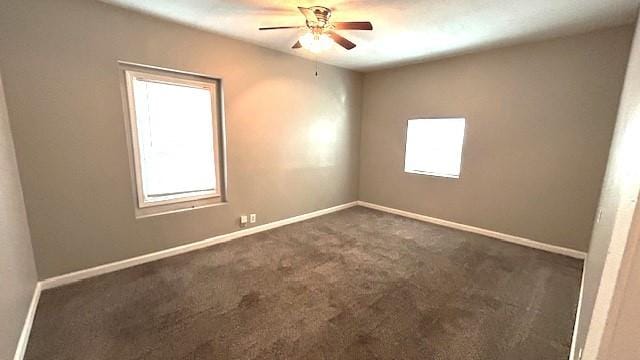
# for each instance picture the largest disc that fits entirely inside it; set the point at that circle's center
(293, 139)
(17, 268)
(610, 266)
(621, 336)
(539, 123)
(620, 341)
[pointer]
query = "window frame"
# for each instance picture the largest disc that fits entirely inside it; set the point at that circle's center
(196, 199)
(428, 173)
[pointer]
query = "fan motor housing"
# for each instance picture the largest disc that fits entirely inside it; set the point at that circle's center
(322, 14)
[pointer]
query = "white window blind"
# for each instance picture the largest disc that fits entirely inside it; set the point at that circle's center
(434, 146)
(175, 139)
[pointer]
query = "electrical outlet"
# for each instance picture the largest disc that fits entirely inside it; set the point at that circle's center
(252, 218)
(243, 220)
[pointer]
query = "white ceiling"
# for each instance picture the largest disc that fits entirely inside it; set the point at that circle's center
(404, 31)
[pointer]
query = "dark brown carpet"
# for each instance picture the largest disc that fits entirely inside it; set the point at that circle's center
(357, 284)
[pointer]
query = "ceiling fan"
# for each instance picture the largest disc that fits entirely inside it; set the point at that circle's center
(321, 34)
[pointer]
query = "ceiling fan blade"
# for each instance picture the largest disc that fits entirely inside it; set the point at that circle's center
(308, 13)
(297, 45)
(279, 27)
(353, 25)
(341, 40)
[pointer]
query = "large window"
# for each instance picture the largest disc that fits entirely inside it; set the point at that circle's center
(434, 146)
(175, 137)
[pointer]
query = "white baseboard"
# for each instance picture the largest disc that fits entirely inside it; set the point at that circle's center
(575, 351)
(494, 234)
(28, 322)
(123, 264)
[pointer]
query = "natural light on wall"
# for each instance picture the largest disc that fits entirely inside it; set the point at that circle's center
(322, 141)
(434, 146)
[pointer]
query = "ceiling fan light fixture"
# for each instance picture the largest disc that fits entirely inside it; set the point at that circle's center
(316, 42)
(322, 33)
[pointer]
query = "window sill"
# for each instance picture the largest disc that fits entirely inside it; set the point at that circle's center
(147, 212)
(446, 176)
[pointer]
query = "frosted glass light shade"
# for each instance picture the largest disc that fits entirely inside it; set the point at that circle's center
(316, 42)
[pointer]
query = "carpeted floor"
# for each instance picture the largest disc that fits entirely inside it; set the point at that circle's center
(356, 284)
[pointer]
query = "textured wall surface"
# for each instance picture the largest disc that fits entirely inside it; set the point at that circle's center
(612, 265)
(293, 139)
(539, 123)
(17, 268)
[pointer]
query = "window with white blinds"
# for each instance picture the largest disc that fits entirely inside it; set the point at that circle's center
(175, 138)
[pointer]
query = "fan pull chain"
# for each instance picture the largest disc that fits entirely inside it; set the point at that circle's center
(316, 66)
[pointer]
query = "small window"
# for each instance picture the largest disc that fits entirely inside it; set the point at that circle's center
(434, 147)
(175, 139)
